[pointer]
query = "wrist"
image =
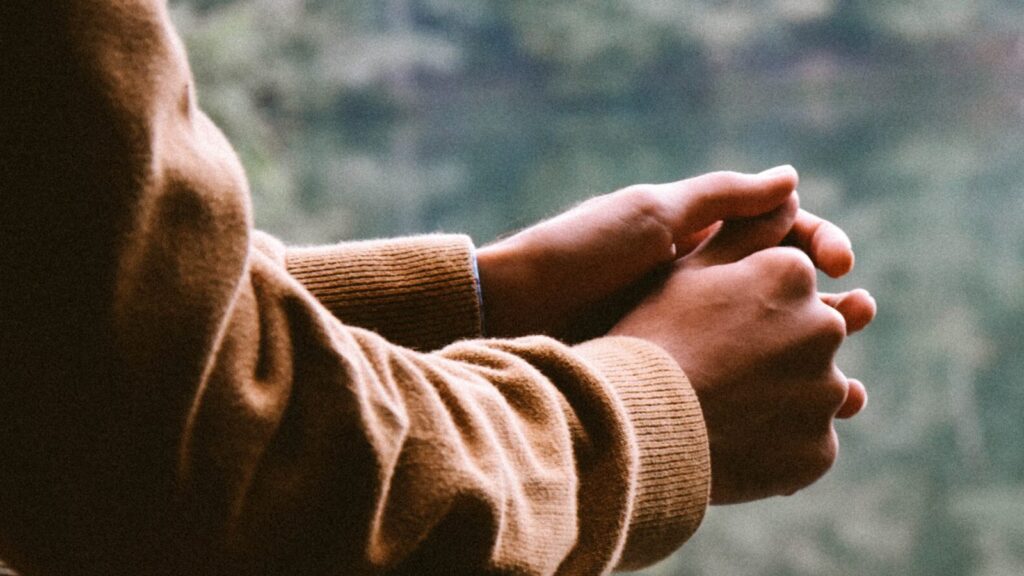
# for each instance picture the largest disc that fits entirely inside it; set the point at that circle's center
(508, 290)
(673, 478)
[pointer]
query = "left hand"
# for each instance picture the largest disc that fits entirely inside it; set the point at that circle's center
(573, 276)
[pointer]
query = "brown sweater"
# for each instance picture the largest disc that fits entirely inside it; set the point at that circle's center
(180, 394)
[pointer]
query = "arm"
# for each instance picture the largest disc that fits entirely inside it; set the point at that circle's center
(179, 402)
(413, 291)
(542, 444)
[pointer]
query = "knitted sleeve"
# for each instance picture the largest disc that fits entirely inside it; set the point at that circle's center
(418, 292)
(181, 396)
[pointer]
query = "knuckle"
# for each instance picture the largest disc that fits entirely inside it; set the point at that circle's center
(831, 331)
(822, 456)
(645, 199)
(796, 269)
(816, 458)
(789, 269)
(834, 392)
(828, 452)
(646, 210)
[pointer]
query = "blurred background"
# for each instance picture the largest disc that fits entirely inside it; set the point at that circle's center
(360, 118)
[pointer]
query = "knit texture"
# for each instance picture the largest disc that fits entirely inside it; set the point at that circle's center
(412, 291)
(668, 428)
(184, 395)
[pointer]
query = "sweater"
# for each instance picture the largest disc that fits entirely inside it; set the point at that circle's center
(183, 394)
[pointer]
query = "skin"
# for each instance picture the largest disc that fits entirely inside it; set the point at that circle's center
(573, 276)
(718, 270)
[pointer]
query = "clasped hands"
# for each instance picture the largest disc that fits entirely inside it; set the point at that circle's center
(718, 270)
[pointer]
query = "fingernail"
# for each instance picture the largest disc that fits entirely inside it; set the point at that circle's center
(777, 170)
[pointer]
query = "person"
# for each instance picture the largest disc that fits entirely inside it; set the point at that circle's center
(183, 394)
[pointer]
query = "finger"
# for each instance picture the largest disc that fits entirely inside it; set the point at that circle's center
(738, 239)
(856, 400)
(687, 244)
(858, 307)
(827, 245)
(696, 203)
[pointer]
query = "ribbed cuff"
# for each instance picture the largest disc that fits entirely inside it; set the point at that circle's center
(674, 481)
(418, 292)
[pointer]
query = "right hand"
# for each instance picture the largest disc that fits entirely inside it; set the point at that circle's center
(744, 320)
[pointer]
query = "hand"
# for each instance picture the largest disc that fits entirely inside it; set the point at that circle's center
(573, 276)
(743, 319)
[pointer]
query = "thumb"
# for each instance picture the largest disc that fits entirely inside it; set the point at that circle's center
(697, 203)
(738, 239)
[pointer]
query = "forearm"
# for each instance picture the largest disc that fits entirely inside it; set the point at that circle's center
(420, 292)
(484, 457)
